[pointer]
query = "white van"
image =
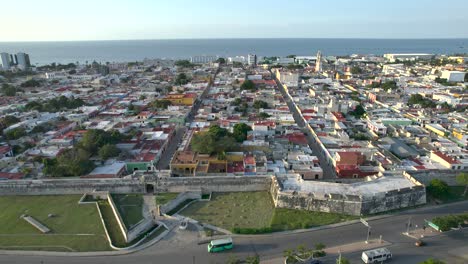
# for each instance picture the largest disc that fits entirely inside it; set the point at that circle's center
(377, 255)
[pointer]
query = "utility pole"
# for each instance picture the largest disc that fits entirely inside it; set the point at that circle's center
(364, 222)
(408, 226)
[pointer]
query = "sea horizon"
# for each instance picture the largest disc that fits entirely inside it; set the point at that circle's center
(64, 51)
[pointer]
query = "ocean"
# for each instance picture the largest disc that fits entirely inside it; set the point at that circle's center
(132, 50)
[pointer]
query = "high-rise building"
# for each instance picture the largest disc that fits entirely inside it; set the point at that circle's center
(318, 63)
(22, 60)
(252, 59)
(203, 59)
(6, 60)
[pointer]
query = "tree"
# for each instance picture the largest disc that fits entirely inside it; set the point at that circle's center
(240, 131)
(8, 90)
(161, 104)
(15, 133)
(31, 83)
(142, 97)
(432, 261)
(9, 120)
(93, 139)
(184, 64)
(71, 162)
(291, 56)
(214, 141)
(181, 79)
(236, 102)
(462, 179)
(108, 151)
(221, 60)
(438, 188)
(252, 260)
(358, 112)
(263, 115)
(258, 104)
(248, 85)
(356, 70)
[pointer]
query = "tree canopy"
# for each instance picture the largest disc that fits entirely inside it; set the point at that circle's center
(108, 151)
(417, 99)
(55, 105)
(248, 85)
(358, 112)
(216, 140)
(184, 64)
(438, 188)
(258, 104)
(182, 79)
(161, 104)
(240, 131)
(8, 90)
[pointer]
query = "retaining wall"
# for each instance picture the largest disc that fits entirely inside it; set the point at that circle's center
(118, 217)
(182, 197)
(70, 186)
(425, 177)
(214, 184)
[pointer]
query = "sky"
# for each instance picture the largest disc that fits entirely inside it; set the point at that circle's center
(65, 20)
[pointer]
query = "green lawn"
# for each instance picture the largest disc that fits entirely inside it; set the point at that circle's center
(254, 212)
(164, 198)
(112, 225)
(454, 195)
(289, 219)
(130, 208)
(73, 228)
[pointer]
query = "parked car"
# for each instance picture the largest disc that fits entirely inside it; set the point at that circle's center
(419, 243)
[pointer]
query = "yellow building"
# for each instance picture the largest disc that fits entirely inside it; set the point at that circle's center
(182, 99)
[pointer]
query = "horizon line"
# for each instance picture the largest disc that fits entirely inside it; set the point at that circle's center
(238, 38)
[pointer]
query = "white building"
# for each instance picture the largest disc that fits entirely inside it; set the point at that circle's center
(241, 59)
(6, 60)
(454, 76)
(22, 60)
(252, 59)
(392, 57)
(203, 59)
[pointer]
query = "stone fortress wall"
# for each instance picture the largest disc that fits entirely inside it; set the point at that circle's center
(323, 202)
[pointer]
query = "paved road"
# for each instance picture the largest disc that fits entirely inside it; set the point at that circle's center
(166, 157)
(328, 171)
(165, 160)
(182, 246)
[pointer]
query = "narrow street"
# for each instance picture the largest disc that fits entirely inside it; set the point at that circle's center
(328, 171)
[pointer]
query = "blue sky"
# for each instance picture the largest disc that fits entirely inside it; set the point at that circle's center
(32, 20)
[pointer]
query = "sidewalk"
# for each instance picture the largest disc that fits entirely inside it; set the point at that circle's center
(420, 233)
(347, 248)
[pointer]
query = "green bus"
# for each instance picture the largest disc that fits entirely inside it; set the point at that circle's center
(220, 245)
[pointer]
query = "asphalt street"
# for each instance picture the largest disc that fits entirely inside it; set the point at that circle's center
(182, 246)
(328, 171)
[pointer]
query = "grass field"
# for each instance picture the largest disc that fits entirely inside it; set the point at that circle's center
(164, 198)
(253, 212)
(111, 224)
(73, 228)
(130, 208)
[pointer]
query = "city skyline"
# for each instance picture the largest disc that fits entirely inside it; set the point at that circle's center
(123, 20)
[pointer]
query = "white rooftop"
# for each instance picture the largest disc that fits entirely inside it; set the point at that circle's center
(368, 188)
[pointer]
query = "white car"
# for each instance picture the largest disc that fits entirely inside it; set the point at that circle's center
(183, 225)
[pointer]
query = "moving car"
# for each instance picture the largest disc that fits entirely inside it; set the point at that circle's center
(220, 245)
(377, 255)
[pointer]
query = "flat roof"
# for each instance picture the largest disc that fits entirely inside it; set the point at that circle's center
(367, 188)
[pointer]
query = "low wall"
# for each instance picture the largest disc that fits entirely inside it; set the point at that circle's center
(182, 197)
(320, 203)
(214, 184)
(383, 202)
(118, 217)
(425, 177)
(70, 186)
